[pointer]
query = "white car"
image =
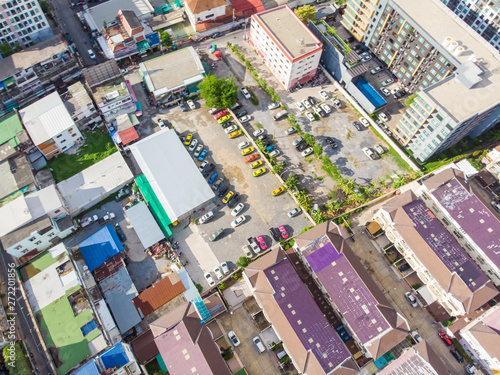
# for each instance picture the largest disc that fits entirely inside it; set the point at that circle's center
(323, 94)
(193, 145)
(364, 54)
(387, 82)
(88, 220)
(258, 132)
(124, 71)
(325, 107)
(411, 298)
(297, 141)
(245, 119)
(394, 91)
(309, 116)
(162, 124)
(209, 215)
(336, 103)
(384, 91)
(376, 70)
(306, 103)
(366, 58)
(231, 129)
(294, 212)
(243, 145)
(198, 151)
(209, 279)
(190, 103)
(416, 336)
(274, 153)
(233, 338)
(369, 153)
(245, 93)
(307, 151)
(225, 268)
(238, 221)
(300, 106)
(364, 122)
(237, 209)
(379, 149)
(383, 117)
(218, 272)
(274, 106)
(247, 250)
(319, 111)
(290, 131)
(203, 166)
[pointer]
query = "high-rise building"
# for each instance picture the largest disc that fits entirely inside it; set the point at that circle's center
(437, 56)
(23, 22)
(482, 15)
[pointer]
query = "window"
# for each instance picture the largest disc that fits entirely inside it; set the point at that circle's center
(32, 239)
(38, 242)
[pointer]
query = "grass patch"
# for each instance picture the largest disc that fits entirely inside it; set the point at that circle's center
(253, 98)
(38, 264)
(22, 365)
(259, 125)
(98, 145)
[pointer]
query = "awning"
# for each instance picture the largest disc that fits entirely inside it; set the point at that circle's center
(373, 227)
(143, 45)
(128, 135)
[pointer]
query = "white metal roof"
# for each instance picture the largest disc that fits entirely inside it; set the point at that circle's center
(14, 215)
(43, 201)
(46, 118)
(172, 173)
(94, 183)
(144, 224)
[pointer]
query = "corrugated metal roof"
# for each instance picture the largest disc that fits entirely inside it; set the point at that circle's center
(158, 294)
(100, 247)
(119, 291)
(14, 215)
(128, 135)
(144, 224)
(46, 118)
(89, 368)
(161, 156)
(114, 357)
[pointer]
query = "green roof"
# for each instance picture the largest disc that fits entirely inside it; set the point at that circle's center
(10, 127)
(154, 205)
(143, 45)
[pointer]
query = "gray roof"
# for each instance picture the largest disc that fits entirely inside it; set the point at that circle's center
(108, 11)
(22, 170)
(31, 56)
(25, 231)
(76, 98)
(100, 73)
(119, 290)
(131, 19)
(144, 224)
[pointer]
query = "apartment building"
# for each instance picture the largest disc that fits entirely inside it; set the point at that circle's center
(287, 47)
(437, 56)
(467, 217)
(350, 290)
(482, 15)
(125, 35)
(50, 126)
(23, 23)
(480, 340)
(27, 75)
(450, 277)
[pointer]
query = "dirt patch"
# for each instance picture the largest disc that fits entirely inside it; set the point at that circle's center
(235, 172)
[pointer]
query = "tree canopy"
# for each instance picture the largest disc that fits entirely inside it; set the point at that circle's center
(218, 93)
(166, 39)
(6, 49)
(306, 13)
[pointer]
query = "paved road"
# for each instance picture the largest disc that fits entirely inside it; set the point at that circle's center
(24, 323)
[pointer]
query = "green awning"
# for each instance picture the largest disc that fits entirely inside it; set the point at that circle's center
(143, 45)
(133, 119)
(154, 205)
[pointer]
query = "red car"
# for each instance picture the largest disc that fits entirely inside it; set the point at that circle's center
(261, 242)
(283, 232)
(220, 114)
(445, 338)
(252, 157)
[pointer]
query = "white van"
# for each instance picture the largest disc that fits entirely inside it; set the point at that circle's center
(91, 54)
(258, 344)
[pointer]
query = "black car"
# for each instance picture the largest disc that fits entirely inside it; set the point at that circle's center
(455, 353)
(227, 124)
(302, 146)
(275, 234)
(358, 126)
(222, 191)
(234, 200)
(209, 169)
(215, 186)
(263, 137)
(331, 142)
(120, 233)
(404, 267)
(241, 113)
(311, 100)
(399, 95)
(267, 142)
(216, 35)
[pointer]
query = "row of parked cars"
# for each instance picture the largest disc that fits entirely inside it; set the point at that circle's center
(321, 109)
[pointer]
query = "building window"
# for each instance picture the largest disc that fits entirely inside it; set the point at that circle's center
(32, 239)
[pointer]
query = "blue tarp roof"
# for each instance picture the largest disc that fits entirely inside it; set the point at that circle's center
(153, 39)
(114, 357)
(101, 246)
(89, 368)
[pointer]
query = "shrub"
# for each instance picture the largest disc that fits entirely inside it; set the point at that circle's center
(416, 286)
(318, 150)
(237, 276)
(309, 138)
(446, 323)
(222, 286)
(198, 287)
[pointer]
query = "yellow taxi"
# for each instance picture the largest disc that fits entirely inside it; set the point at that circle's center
(188, 139)
(278, 191)
(228, 197)
(247, 151)
(235, 134)
(256, 164)
(223, 119)
(259, 172)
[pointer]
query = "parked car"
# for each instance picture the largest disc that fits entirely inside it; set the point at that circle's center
(252, 157)
(237, 209)
(161, 124)
(274, 153)
(108, 217)
(443, 336)
(383, 117)
(243, 145)
(183, 107)
(259, 172)
(238, 221)
(357, 125)
(387, 82)
(253, 245)
(273, 106)
(331, 142)
(280, 115)
(399, 94)
(274, 234)
(376, 69)
(319, 111)
(223, 119)
(261, 242)
(209, 215)
(307, 151)
(88, 220)
(336, 103)
(216, 35)
(277, 191)
(231, 129)
(294, 212)
(323, 95)
(188, 139)
(228, 197)
(455, 353)
(208, 169)
(256, 164)
(222, 191)
(283, 232)
(193, 145)
(198, 151)
(379, 149)
(416, 336)
(216, 234)
(241, 113)
(368, 152)
(300, 106)
(325, 107)
(309, 116)
(91, 54)
(209, 279)
(311, 100)
(315, 209)
(235, 106)
(218, 272)
(225, 268)
(247, 151)
(247, 250)
(233, 201)
(394, 91)
(235, 134)
(297, 141)
(190, 103)
(245, 119)
(202, 155)
(213, 111)
(216, 184)
(366, 58)
(258, 344)
(411, 298)
(404, 267)
(212, 178)
(290, 131)
(306, 103)
(122, 193)
(384, 91)
(245, 93)
(203, 166)
(219, 114)
(364, 122)
(495, 205)
(258, 132)
(234, 340)
(364, 54)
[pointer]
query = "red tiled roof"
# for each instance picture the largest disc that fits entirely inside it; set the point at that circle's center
(128, 135)
(247, 7)
(158, 294)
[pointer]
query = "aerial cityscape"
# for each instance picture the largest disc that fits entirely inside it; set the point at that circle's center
(250, 187)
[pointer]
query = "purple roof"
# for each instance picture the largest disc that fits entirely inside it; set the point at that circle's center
(444, 245)
(352, 297)
(472, 215)
(305, 317)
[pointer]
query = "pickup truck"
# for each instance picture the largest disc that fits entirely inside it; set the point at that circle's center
(253, 245)
(88, 220)
(107, 217)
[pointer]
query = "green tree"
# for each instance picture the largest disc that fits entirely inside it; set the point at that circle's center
(292, 182)
(306, 13)
(309, 138)
(6, 49)
(45, 7)
(166, 39)
(242, 262)
(219, 93)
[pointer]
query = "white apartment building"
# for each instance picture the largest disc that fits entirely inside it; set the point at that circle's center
(23, 22)
(285, 44)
